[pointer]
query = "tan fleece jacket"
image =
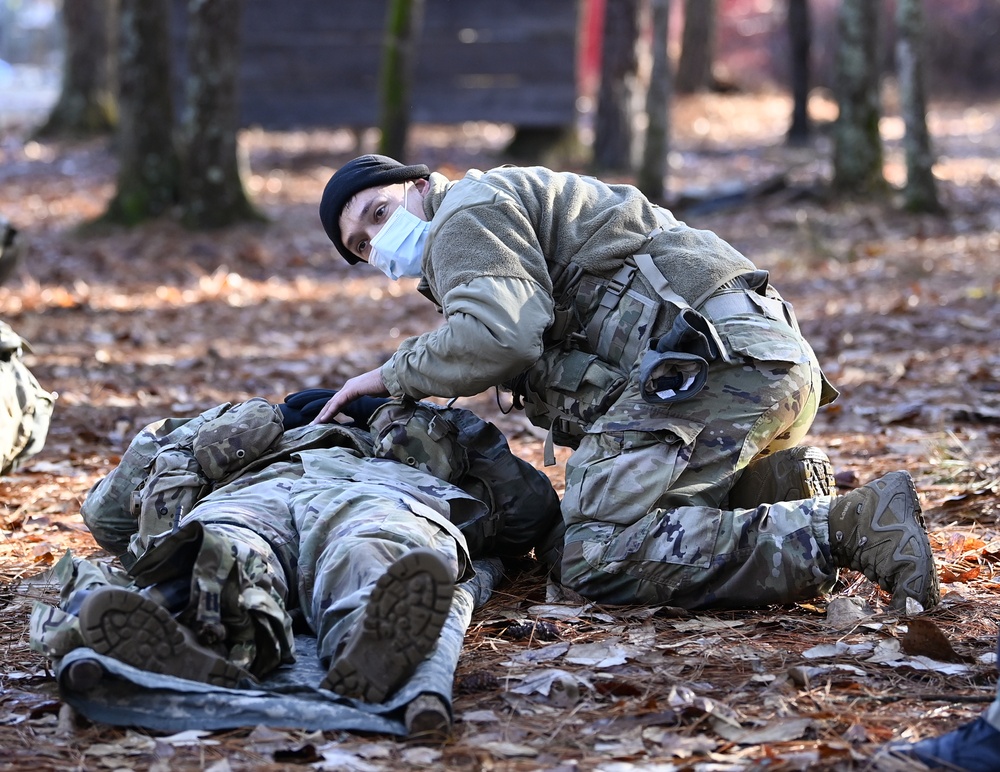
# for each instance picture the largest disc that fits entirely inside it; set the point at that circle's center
(494, 239)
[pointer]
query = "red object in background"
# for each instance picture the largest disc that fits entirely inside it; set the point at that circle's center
(589, 53)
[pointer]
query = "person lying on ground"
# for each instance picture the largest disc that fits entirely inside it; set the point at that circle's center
(230, 525)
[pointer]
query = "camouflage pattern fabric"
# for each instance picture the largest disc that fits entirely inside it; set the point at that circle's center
(175, 484)
(645, 501)
(25, 407)
(287, 697)
(308, 523)
(55, 631)
(237, 438)
(160, 477)
(455, 444)
(311, 532)
(352, 532)
(420, 435)
(111, 508)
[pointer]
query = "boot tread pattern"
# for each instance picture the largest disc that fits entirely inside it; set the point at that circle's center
(402, 620)
(131, 628)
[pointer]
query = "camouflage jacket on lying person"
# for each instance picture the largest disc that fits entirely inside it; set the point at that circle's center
(173, 463)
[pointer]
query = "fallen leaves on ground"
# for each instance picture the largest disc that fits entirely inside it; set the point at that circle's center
(133, 326)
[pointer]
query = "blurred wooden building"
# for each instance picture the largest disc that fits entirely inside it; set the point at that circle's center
(311, 63)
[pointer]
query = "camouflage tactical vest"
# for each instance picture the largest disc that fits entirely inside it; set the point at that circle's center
(172, 464)
(603, 325)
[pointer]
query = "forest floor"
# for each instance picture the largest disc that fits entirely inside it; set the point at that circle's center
(130, 326)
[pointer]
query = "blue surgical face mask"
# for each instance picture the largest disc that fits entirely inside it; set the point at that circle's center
(397, 250)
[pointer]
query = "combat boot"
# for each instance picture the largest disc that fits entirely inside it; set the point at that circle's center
(793, 474)
(878, 530)
(402, 620)
(136, 630)
(428, 720)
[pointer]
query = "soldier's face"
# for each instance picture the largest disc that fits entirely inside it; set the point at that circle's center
(366, 213)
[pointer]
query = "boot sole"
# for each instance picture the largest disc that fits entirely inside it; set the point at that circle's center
(139, 632)
(401, 624)
(897, 489)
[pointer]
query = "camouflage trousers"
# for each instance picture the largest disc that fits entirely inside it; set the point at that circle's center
(645, 502)
(312, 535)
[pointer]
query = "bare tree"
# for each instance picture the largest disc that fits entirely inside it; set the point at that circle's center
(857, 147)
(148, 166)
(402, 32)
(653, 170)
(613, 131)
(86, 103)
(212, 193)
(920, 193)
(694, 70)
(800, 40)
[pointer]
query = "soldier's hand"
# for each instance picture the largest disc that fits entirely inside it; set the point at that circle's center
(366, 384)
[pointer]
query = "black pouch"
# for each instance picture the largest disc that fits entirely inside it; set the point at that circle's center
(675, 367)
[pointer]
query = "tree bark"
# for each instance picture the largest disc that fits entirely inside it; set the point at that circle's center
(86, 103)
(800, 40)
(613, 130)
(212, 193)
(652, 175)
(694, 70)
(148, 166)
(403, 23)
(857, 147)
(920, 192)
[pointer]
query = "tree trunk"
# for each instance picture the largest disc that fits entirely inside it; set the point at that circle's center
(86, 104)
(857, 146)
(694, 70)
(147, 159)
(402, 32)
(613, 130)
(920, 193)
(800, 40)
(653, 171)
(212, 193)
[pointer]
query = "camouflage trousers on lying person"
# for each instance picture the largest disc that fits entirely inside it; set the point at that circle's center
(645, 506)
(310, 535)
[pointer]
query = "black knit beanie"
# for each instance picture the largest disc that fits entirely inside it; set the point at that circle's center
(367, 171)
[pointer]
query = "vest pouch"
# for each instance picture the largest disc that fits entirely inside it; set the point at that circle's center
(421, 435)
(762, 340)
(671, 376)
(675, 367)
(174, 486)
(237, 438)
(566, 390)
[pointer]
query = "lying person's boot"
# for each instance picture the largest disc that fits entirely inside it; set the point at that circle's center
(130, 627)
(973, 747)
(878, 529)
(402, 620)
(428, 720)
(83, 674)
(792, 474)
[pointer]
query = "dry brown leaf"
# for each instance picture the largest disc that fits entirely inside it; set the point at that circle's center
(924, 638)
